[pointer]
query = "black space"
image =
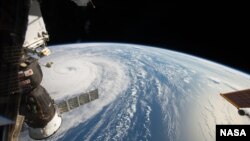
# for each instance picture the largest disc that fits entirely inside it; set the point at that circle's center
(214, 31)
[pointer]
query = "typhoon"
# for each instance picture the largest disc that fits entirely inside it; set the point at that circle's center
(145, 93)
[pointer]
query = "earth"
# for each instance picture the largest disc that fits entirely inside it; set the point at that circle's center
(145, 93)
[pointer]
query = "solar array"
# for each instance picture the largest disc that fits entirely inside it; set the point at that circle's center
(72, 103)
(240, 99)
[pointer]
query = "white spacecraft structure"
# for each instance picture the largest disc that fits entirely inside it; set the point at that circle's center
(43, 114)
(36, 34)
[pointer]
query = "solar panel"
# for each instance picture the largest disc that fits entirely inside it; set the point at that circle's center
(69, 104)
(93, 95)
(63, 106)
(240, 99)
(84, 98)
(73, 103)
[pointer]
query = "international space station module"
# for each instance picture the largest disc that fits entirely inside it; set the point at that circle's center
(42, 114)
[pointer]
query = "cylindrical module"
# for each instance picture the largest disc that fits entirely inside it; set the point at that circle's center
(40, 114)
(37, 106)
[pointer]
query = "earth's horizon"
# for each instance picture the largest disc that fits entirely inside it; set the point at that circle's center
(146, 93)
